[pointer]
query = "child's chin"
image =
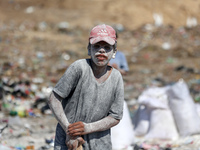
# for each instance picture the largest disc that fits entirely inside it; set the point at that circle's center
(101, 64)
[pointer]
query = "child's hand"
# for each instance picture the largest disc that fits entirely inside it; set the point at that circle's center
(76, 129)
(74, 143)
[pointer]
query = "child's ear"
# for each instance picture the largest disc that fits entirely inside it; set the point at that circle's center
(114, 53)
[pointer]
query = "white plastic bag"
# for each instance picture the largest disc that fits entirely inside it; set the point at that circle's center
(122, 135)
(151, 98)
(142, 121)
(183, 109)
(198, 108)
(154, 97)
(162, 125)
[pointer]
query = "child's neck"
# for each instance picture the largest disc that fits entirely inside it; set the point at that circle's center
(100, 73)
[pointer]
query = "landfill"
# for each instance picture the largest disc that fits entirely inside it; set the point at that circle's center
(40, 39)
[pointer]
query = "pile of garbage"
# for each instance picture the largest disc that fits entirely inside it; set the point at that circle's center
(27, 133)
(162, 55)
(167, 115)
(22, 97)
(162, 118)
(26, 122)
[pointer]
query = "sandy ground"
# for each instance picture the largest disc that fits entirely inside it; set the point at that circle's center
(30, 131)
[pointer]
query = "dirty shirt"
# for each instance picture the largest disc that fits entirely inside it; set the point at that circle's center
(88, 101)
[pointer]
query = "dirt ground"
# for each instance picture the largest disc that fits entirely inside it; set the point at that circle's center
(29, 27)
(85, 13)
(33, 44)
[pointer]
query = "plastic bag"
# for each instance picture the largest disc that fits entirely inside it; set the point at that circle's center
(122, 135)
(162, 125)
(183, 109)
(198, 108)
(154, 97)
(142, 121)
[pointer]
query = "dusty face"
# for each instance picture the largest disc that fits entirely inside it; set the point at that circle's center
(101, 53)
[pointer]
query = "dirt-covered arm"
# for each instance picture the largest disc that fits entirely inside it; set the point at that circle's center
(81, 128)
(54, 102)
(101, 125)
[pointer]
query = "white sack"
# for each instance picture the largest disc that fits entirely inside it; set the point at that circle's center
(162, 125)
(122, 135)
(151, 98)
(198, 108)
(154, 97)
(183, 109)
(142, 121)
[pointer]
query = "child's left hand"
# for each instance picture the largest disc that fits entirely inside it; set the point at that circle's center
(76, 129)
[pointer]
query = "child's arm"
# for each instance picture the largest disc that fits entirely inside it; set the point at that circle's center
(57, 109)
(80, 128)
(54, 102)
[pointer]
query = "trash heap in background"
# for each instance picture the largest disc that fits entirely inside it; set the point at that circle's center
(31, 64)
(24, 115)
(168, 113)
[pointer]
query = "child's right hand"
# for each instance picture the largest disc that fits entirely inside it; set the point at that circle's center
(74, 142)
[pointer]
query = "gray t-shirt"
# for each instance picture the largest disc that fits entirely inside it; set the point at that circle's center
(88, 101)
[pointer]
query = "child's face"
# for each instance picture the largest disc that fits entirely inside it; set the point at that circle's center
(101, 53)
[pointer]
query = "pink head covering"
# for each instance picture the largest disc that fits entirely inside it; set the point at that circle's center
(103, 33)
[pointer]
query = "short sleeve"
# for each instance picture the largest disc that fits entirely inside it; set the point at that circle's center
(116, 110)
(68, 81)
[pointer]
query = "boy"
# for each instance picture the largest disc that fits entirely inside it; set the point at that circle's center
(88, 99)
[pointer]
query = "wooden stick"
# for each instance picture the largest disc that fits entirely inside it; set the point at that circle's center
(80, 147)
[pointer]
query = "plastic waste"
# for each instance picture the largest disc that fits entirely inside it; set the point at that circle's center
(156, 114)
(154, 97)
(183, 109)
(162, 125)
(30, 10)
(191, 22)
(122, 135)
(158, 18)
(30, 147)
(4, 147)
(166, 45)
(14, 120)
(142, 121)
